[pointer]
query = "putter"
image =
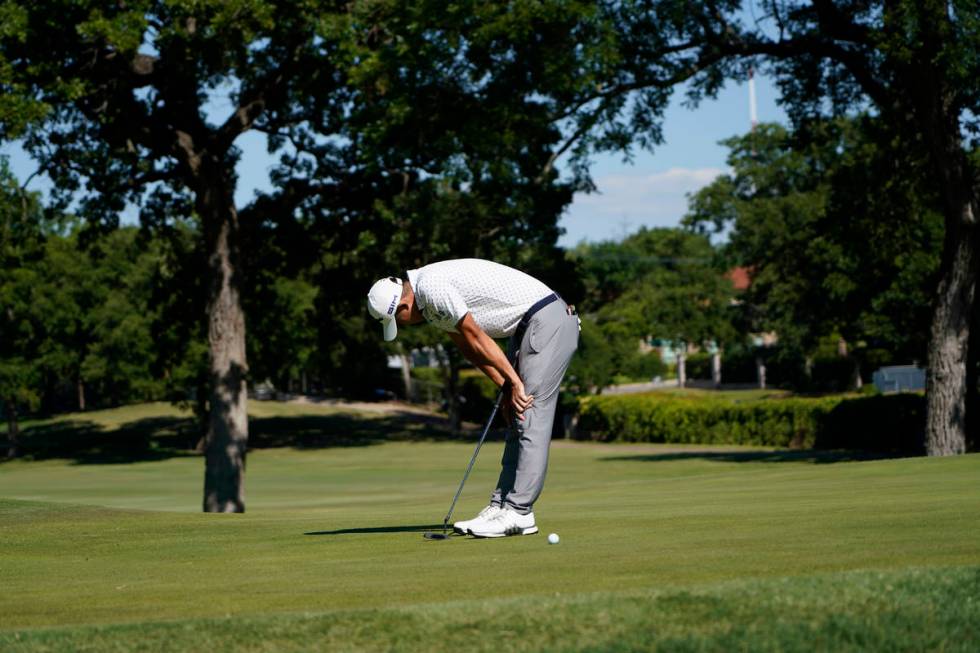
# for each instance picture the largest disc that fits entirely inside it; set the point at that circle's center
(444, 535)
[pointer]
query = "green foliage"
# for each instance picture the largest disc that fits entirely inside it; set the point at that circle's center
(699, 365)
(22, 235)
(377, 111)
(284, 331)
(802, 207)
(96, 317)
(656, 284)
(645, 366)
(76, 318)
(887, 423)
(604, 350)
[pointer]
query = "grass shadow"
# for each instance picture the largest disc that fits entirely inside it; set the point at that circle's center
(418, 528)
(815, 456)
(350, 430)
(86, 442)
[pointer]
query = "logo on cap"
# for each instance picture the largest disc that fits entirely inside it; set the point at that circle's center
(394, 302)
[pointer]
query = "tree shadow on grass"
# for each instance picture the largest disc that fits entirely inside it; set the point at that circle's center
(815, 456)
(347, 430)
(160, 438)
(88, 443)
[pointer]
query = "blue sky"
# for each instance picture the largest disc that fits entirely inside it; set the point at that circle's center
(650, 191)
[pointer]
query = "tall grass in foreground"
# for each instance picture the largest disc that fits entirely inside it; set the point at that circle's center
(909, 610)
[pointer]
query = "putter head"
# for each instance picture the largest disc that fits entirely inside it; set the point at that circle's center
(444, 535)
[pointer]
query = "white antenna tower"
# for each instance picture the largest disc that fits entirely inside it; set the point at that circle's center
(753, 113)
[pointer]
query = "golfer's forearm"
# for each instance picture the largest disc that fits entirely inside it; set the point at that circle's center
(483, 360)
(483, 352)
(492, 373)
(499, 369)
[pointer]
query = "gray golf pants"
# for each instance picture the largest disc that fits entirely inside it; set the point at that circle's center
(542, 358)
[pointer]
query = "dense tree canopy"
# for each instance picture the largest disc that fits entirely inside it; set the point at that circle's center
(841, 231)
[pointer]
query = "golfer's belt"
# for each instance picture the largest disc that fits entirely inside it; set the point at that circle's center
(526, 320)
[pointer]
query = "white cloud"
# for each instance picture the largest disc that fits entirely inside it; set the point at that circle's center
(626, 202)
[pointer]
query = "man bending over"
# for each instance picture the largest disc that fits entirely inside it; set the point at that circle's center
(475, 301)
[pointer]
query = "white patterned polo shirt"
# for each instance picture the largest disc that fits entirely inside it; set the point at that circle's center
(495, 295)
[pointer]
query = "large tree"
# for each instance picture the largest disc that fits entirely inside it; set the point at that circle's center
(372, 107)
(116, 96)
(919, 64)
(915, 62)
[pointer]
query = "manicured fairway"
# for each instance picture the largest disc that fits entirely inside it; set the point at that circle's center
(659, 548)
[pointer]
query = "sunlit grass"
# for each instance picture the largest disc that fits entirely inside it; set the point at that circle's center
(680, 548)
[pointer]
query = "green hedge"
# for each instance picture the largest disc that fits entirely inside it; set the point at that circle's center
(888, 423)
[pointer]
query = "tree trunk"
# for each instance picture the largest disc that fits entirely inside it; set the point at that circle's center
(973, 383)
(406, 359)
(856, 381)
(13, 430)
(682, 366)
(716, 369)
(930, 91)
(452, 388)
(946, 372)
(80, 387)
(201, 411)
(227, 437)
(760, 371)
(449, 362)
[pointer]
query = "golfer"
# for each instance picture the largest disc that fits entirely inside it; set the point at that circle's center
(475, 301)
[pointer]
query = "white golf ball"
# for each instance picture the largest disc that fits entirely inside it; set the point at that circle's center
(553, 538)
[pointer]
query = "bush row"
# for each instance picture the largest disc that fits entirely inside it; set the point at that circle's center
(884, 423)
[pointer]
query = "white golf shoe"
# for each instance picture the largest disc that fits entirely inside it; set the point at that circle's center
(506, 522)
(463, 527)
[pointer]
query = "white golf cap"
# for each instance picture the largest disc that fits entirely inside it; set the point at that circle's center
(382, 302)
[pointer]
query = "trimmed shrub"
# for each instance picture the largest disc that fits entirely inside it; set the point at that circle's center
(738, 365)
(698, 366)
(892, 423)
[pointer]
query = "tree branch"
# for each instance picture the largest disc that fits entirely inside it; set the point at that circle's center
(142, 67)
(579, 133)
(240, 121)
(253, 103)
(134, 182)
(855, 61)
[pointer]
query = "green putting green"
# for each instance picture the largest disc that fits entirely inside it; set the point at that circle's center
(660, 547)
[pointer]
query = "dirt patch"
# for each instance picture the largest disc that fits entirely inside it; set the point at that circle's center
(384, 407)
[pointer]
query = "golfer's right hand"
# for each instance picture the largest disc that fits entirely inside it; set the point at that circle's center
(518, 400)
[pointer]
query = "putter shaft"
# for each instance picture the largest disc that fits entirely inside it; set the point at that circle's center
(469, 468)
